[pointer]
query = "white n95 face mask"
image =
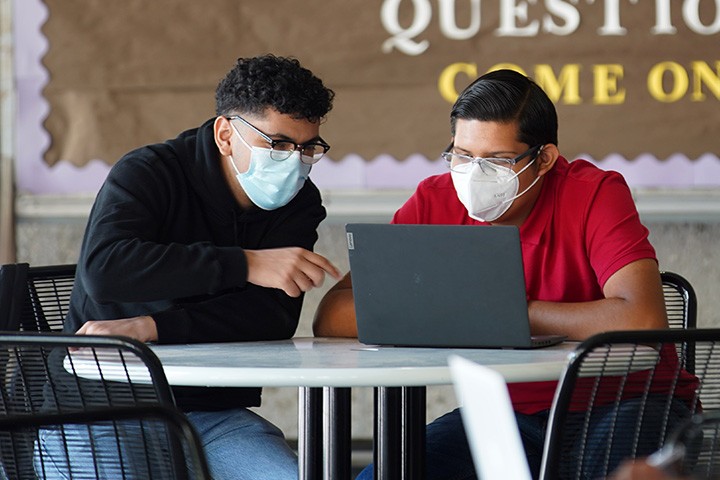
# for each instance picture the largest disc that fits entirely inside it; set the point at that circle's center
(488, 193)
(268, 183)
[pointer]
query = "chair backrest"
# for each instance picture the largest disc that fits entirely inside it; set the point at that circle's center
(60, 373)
(163, 444)
(680, 300)
(35, 299)
(622, 393)
(12, 282)
(681, 308)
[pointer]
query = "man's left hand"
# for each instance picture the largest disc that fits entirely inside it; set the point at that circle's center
(140, 328)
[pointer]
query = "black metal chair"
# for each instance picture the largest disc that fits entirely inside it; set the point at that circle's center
(681, 308)
(74, 374)
(12, 280)
(177, 456)
(621, 395)
(680, 300)
(35, 299)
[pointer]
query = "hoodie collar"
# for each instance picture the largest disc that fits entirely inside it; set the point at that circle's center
(199, 156)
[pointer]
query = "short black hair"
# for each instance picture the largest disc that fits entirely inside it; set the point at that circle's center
(256, 83)
(508, 96)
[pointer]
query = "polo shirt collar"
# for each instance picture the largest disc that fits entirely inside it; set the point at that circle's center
(537, 223)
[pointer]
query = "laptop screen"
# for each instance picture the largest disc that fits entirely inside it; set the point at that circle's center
(438, 285)
(489, 421)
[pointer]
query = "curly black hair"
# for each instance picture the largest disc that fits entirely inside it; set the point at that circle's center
(257, 83)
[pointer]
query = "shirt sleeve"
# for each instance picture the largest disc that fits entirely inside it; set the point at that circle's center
(615, 236)
(249, 312)
(128, 254)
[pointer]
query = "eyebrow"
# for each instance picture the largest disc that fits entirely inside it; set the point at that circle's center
(490, 155)
(280, 136)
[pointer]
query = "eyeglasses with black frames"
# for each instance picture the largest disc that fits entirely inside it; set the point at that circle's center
(281, 150)
(459, 163)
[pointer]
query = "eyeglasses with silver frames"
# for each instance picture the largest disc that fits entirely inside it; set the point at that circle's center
(459, 163)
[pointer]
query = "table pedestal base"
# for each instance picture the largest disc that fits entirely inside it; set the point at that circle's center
(324, 433)
(399, 431)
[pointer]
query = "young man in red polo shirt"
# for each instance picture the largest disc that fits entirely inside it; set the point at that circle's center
(589, 266)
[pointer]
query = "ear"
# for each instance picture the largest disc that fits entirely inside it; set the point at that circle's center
(547, 158)
(223, 134)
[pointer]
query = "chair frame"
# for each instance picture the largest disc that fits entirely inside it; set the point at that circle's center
(35, 301)
(127, 344)
(12, 282)
(677, 285)
(563, 395)
(681, 308)
(183, 433)
(27, 400)
(39, 297)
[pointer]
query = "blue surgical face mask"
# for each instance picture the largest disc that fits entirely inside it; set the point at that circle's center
(268, 183)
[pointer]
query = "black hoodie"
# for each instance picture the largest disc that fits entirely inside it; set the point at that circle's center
(165, 238)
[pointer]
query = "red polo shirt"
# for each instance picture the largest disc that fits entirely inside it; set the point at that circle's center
(583, 228)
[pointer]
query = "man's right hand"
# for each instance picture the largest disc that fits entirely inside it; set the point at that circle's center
(293, 269)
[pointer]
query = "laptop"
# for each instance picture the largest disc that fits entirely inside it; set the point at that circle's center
(489, 421)
(440, 286)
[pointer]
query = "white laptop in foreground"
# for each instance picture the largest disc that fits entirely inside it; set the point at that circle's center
(489, 421)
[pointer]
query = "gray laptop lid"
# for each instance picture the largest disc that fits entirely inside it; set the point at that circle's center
(439, 285)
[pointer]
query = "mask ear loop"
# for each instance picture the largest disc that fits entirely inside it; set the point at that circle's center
(230, 157)
(537, 154)
(232, 162)
(232, 125)
(518, 174)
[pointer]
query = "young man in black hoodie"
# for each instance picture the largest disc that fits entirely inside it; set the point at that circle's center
(208, 237)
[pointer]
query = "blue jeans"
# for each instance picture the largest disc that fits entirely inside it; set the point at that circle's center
(238, 444)
(447, 451)
(448, 455)
(602, 443)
